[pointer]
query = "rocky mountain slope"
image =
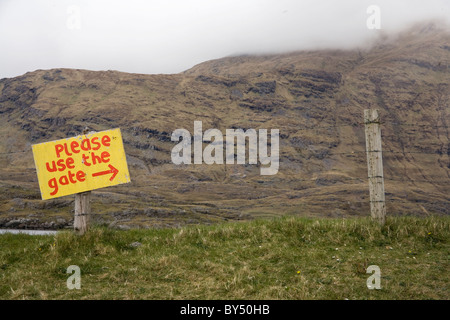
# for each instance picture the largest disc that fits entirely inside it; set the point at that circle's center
(315, 98)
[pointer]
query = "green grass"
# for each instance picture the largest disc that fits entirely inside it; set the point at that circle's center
(282, 258)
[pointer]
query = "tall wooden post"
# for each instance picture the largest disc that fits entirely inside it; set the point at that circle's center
(82, 212)
(82, 208)
(375, 165)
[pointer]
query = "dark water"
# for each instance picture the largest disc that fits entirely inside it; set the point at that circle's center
(32, 232)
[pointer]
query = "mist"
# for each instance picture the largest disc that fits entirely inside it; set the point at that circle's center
(171, 36)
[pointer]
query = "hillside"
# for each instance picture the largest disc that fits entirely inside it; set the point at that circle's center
(315, 98)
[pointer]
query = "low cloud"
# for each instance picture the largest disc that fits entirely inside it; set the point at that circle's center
(172, 36)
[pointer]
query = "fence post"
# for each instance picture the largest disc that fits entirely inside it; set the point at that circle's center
(82, 208)
(82, 212)
(375, 165)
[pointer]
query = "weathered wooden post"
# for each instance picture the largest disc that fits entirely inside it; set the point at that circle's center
(375, 165)
(82, 213)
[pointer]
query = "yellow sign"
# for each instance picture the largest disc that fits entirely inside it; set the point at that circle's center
(82, 163)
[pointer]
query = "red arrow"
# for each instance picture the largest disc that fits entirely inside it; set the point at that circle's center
(113, 170)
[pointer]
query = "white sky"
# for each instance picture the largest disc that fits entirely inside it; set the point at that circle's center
(170, 36)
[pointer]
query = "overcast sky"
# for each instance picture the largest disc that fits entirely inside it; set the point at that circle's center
(170, 36)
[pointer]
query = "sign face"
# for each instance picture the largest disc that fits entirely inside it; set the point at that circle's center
(82, 163)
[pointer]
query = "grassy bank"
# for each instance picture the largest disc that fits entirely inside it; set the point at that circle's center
(283, 258)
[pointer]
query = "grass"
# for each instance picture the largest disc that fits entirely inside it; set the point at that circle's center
(281, 258)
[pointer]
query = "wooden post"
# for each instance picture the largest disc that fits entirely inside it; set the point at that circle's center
(82, 208)
(82, 212)
(375, 165)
